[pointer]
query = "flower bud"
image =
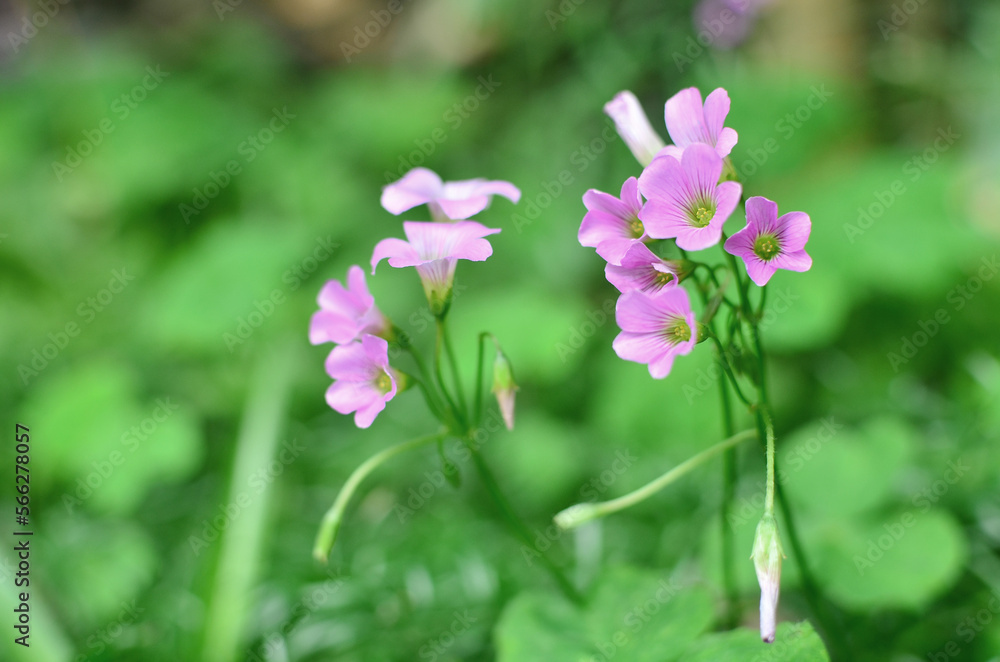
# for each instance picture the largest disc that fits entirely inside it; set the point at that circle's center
(504, 388)
(634, 127)
(767, 555)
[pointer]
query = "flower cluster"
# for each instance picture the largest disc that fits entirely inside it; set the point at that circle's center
(359, 363)
(685, 193)
(677, 205)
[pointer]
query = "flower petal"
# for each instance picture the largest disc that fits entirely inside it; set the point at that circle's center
(328, 326)
(345, 396)
(366, 414)
(685, 118)
(702, 166)
(794, 261)
(418, 186)
(400, 253)
(793, 231)
(350, 362)
(762, 214)
(715, 111)
(760, 271)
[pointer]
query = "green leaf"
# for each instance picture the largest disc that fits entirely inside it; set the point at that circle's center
(635, 614)
(794, 642)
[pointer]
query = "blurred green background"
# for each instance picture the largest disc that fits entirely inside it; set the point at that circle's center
(179, 179)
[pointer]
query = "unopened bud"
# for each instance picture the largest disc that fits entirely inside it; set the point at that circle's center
(767, 556)
(504, 388)
(634, 127)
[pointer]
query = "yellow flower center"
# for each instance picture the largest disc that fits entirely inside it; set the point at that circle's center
(636, 227)
(702, 214)
(662, 278)
(383, 383)
(766, 247)
(677, 332)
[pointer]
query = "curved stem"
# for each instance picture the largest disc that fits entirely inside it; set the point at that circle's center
(438, 343)
(582, 512)
(330, 525)
(478, 402)
(729, 476)
(519, 528)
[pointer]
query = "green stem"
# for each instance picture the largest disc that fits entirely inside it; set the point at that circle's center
(729, 476)
(455, 375)
(518, 527)
(583, 512)
(724, 361)
(478, 402)
(328, 529)
(438, 343)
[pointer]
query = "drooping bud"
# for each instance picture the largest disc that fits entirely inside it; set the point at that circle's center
(767, 556)
(634, 127)
(504, 388)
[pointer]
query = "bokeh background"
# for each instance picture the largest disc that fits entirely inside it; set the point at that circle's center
(178, 179)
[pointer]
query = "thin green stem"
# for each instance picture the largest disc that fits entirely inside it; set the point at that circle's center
(583, 512)
(455, 375)
(518, 527)
(438, 344)
(724, 362)
(729, 476)
(478, 402)
(330, 525)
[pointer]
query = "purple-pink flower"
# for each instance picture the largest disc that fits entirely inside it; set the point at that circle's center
(612, 225)
(641, 269)
(634, 127)
(346, 313)
(447, 200)
(684, 199)
(363, 380)
(435, 249)
(769, 243)
(691, 123)
(655, 328)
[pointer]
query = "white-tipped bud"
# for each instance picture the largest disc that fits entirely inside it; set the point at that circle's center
(767, 556)
(504, 388)
(634, 127)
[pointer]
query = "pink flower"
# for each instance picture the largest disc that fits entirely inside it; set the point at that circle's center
(363, 380)
(634, 127)
(434, 249)
(685, 200)
(691, 123)
(447, 200)
(640, 269)
(611, 224)
(769, 243)
(655, 328)
(346, 313)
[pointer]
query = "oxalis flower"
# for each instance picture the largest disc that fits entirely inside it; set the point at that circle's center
(684, 200)
(641, 269)
(346, 313)
(612, 225)
(691, 123)
(769, 243)
(447, 200)
(655, 328)
(435, 249)
(363, 380)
